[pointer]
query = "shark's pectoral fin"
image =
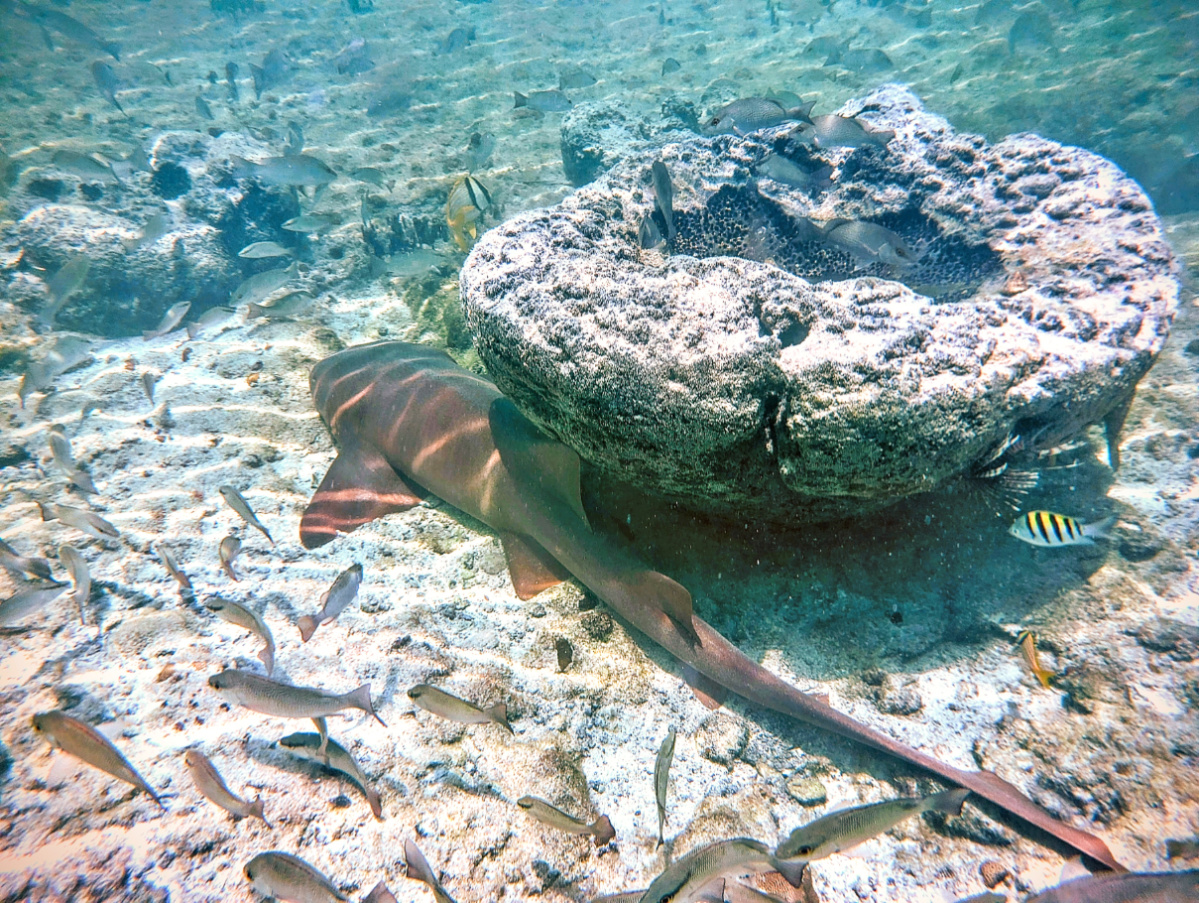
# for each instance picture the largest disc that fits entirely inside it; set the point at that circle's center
(359, 487)
(532, 568)
(706, 690)
(532, 456)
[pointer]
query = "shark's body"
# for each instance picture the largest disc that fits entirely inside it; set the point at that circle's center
(407, 419)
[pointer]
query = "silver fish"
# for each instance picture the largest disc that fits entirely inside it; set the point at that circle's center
(262, 284)
(749, 114)
(67, 352)
(260, 250)
(308, 223)
(155, 228)
(336, 757)
(282, 307)
(21, 567)
(83, 166)
(290, 878)
(208, 319)
(149, 380)
(87, 744)
(214, 789)
(295, 170)
(238, 503)
(846, 828)
(203, 108)
(60, 448)
(844, 131)
(107, 81)
(68, 27)
(28, 600)
(227, 551)
(419, 870)
(270, 697)
(649, 236)
(333, 602)
(85, 521)
(369, 174)
(683, 881)
(172, 566)
(239, 615)
(601, 829)
(868, 243)
(170, 320)
(65, 282)
(664, 195)
(551, 101)
(573, 77)
(450, 707)
(788, 173)
(81, 577)
(662, 777)
(1146, 887)
(1049, 530)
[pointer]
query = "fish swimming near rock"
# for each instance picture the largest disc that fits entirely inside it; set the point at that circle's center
(288, 171)
(66, 281)
(664, 196)
(240, 616)
(155, 228)
(551, 101)
(66, 353)
(85, 521)
(311, 223)
(452, 708)
(170, 321)
(172, 566)
(281, 307)
(203, 109)
(29, 599)
(239, 504)
(750, 114)
(81, 578)
(214, 789)
(844, 131)
(662, 778)
(227, 552)
(333, 602)
(418, 869)
(53, 20)
(261, 250)
(354, 58)
(149, 381)
(231, 82)
(274, 70)
(868, 243)
(60, 449)
(685, 878)
(289, 878)
(458, 39)
(87, 744)
(780, 169)
(847, 828)
(271, 697)
(380, 893)
(1143, 887)
(258, 286)
(336, 757)
(1052, 531)
(1027, 641)
(601, 829)
(23, 567)
(84, 166)
(468, 202)
(573, 77)
(406, 416)
(108, 83)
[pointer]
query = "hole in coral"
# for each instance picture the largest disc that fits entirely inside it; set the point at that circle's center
(50, 189)
(169, 181)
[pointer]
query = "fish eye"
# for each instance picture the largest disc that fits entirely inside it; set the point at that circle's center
(804, 850)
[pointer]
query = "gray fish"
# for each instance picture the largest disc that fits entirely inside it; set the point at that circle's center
(290, 878)
(1145, 887)
(87, 744)
(1032, 30)
(419, 870)
(860, 59)
(231, 82)
(295, 170)
(67, 352)
(788, 173)
(83, 166)
(208, 319)
(868, 243)
(170, 321)
(845, 131)
(601, 829)
(227, 551)
(85, 521)
(309, 223)
(749, 114)
(239, 504)
(662, 778)
(283, 307)
(240, 616)
(683, 881)
(354, 58)
(214, 789)
(107, 82)
(333, 602)
(262, 284)
(270, 697)
(60, 448)
(28, 600)
(81, 578)
(670, 64)
(572, 77)
(664, 195)
(846, 828)
(274, 70)
(369, 174)
(155, 228)
(260, 250)
(66, 281)
(336, 757)
(458, 39)
(69, 28)
(203, 109)
(20, 566)
(450, 707)
(478, 150)
(649, 236)
(551, 101)
(149, 381)
(172, 566)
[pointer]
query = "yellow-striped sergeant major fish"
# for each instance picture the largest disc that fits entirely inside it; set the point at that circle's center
(1049, 530)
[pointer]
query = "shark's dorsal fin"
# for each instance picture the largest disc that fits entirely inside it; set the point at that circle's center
(532, 568)
(530, 454)
(359, 487)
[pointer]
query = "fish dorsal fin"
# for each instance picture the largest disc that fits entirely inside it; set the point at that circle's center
(706, 690)
(712, 892)
(359, 487)
(532, 568)
(529, 453)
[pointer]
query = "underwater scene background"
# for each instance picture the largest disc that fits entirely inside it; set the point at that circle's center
(865, 329)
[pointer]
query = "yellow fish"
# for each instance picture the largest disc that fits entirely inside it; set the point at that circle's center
(1027, 641)
(469, 199)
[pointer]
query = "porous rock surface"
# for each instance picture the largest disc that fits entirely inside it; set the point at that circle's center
(793, 384)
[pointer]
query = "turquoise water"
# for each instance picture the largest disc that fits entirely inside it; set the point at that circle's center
(286, 180)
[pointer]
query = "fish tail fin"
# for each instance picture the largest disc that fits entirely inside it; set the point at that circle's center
(803, 112)
(520, 100)
(156, 796)
(499, 714)
(604, 832)
(114, 49)
(307, 625)
(372, 798)
(1100, 529)
(361, 698)
(791, 869)
(254, 311)
(257, 810)
(948, 801)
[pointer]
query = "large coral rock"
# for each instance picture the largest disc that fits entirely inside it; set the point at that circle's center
(793, 385)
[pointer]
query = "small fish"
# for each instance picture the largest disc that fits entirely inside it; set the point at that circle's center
(214, 789)
(1027, 641)
(241, 616)
(155, 228)
(30, 598)
(788, 173)
(354, 58)
(1032, 30)
(231, 82)
(107, 82)
(81, 577)
(239, 504)
(67, 27)
(844, 131)
(227, 551)
(1130, 887)
(369, 174)
(208, 319)
(662, 778)
(60, 448)
(310, 223)
(149, 380)
(572, 77)
(170, 321)
(87, 744)
(670, 64)
(295, 170)
(458, 39)
(65, 282)
(862, 60)
(687, 876)
(868, 243)
(262, 284)
(336, 757)
(664, 196)
(283, 307)
(290, 878)
(551, 101)
(1049, 530)
(21, 567)
(419, 870)
(333, 602)
(478, 150)
(274, 71)
(172, 566)
(649, 236)
(260, 250)
(417, 262)
(270, 697)
(66, 353)
(452, 708)
(203, 109)
(468, 201)
(85, 521)
(601, 829)
(84, 166)
(846, 828)
(749, 114)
